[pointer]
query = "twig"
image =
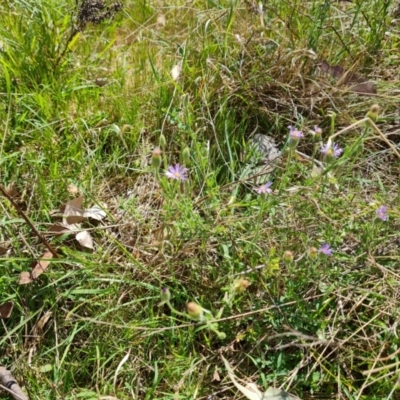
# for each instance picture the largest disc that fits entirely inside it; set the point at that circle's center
(28, 221)
(361, 121)
(9, 384)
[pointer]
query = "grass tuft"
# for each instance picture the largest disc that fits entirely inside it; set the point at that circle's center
(295, 283)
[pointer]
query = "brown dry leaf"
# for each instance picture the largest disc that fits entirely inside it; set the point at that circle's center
(75, 204)
(42, 265)
(38, 330)
(3, 251)
(72, 189)
(11, 189)
(216, 376)
(28, 277)
(95, 213)
(25, 278)
(252, 392)
(33, 340)
(357, 83)
(6, 309)
(58, 228)
(74, 219)
(73, 212)
(85, 239)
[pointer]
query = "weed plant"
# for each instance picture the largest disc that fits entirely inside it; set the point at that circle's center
(147, 110)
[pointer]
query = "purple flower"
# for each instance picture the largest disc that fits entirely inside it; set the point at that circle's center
(317, 130)
(177, 172)
(317, 133)
(326, 249)
(294, 136)
(295, 133)
(331, 151)
(264, 188)
(381, 213)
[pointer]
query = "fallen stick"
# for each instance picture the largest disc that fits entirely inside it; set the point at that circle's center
(9, 384)
(28, 221)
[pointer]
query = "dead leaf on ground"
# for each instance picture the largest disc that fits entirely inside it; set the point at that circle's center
(3, 251)
(28, 277)
(38, 330)
(25, 278)
(357, 83)
(42, 265)
(253, 393)
(58, 229)
(73, 213)
(85, 239)
(216, 376)
(95, 212)
(74, 219)
(32, 341)
(6, 309)
(11, 189)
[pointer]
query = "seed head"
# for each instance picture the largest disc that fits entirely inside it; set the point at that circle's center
(156, 158)
(241, 285)
(288, 257)
(195, 311)
(373, 112)
(313, 252)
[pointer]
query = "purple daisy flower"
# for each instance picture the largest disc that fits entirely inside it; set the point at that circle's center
(177, 172)
(326, 249)
(264, 188)
(381, 213)
(329, 150)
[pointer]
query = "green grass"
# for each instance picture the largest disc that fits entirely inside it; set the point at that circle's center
(88, 108)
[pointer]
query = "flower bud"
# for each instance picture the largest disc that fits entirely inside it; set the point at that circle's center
(186, 156)
(317, 133)
(163, 141)
(241, 285)
(165, 295)
(288, 257)
(195, 311)
(313, 252)
(156, 158)
(373, 112)
(294, 137)
(221, 335)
